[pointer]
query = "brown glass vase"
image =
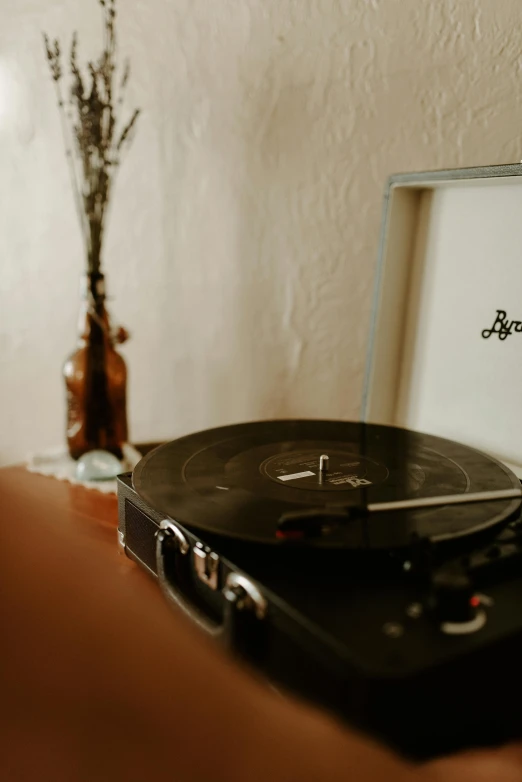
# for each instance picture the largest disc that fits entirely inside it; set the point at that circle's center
(95, 380)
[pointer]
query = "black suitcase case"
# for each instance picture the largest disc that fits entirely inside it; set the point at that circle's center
(344, 633)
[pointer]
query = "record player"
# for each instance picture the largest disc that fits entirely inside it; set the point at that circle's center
(375, 567)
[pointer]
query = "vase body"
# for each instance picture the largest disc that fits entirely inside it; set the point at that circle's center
(96, 380)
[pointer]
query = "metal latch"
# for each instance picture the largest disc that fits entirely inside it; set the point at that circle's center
(206, 563)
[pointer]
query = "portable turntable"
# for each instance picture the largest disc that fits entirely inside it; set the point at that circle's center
(370, 567)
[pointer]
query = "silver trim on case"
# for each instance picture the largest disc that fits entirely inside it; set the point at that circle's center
(258, 602)
(168, 526)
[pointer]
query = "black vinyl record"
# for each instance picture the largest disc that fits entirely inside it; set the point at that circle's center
(239, 481)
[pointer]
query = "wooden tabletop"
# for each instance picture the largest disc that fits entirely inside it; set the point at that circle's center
(91, 662)
(89, 512)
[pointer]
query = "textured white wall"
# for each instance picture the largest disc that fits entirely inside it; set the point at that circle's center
(244, 234)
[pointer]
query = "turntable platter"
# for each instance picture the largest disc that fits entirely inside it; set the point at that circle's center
(238, 481)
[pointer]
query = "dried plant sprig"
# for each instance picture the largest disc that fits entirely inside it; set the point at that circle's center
(95, 136)
(125, 134)
(53, 56)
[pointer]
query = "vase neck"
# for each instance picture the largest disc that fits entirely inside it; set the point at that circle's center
(92, 287)
(93, 324)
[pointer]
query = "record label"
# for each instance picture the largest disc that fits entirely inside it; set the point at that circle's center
(346, 470)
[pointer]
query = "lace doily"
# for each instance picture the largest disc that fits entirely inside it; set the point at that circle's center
(57, 463)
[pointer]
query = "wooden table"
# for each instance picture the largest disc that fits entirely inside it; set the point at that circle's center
(66, 502)
(99, 648)
(91, 689)
(92, 514)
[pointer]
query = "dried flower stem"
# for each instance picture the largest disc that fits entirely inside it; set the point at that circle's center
(93, 144)
(71, 165)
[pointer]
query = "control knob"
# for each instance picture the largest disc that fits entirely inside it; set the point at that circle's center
(457, 608)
